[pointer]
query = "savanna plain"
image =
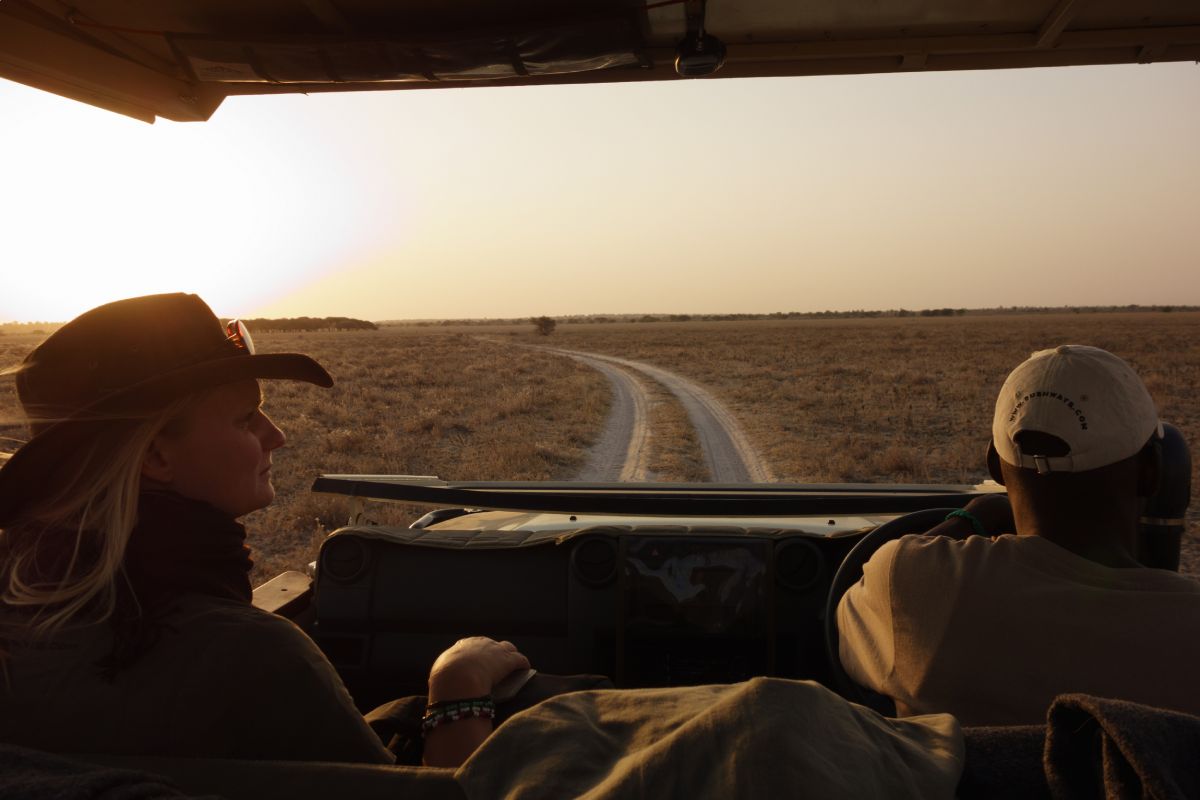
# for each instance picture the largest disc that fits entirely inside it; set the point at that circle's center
(901, 400)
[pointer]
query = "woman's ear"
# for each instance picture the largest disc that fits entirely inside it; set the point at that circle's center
(156, 466)
(993, 463)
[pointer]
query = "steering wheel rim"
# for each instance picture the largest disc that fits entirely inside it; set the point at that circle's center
(848, 574)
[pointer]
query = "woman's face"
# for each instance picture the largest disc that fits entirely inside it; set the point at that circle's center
(221, 451)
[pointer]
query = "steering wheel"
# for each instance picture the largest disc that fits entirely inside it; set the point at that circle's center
(846, 576)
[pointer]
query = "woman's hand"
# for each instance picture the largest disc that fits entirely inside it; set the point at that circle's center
(470, 668)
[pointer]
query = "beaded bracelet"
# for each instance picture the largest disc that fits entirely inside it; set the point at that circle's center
(453, 710)
(969, 517)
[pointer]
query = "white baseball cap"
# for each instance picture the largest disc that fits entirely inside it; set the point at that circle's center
(1085, 396)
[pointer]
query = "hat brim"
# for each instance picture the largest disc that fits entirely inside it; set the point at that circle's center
(160, 389)
(29, 469)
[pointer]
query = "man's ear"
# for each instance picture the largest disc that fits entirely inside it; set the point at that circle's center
(993, 463)
(155, 465)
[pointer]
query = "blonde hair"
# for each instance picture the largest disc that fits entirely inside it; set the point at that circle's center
(93, 502)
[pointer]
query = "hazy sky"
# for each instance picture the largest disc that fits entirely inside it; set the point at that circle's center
(1024, 187)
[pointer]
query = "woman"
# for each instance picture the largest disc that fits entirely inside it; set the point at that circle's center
(125, 617)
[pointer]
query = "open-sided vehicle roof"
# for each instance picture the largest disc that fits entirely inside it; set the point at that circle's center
(179, 59)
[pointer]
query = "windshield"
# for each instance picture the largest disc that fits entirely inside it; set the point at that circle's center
(787, 279)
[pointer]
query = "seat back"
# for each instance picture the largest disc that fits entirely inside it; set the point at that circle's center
(1160, 530)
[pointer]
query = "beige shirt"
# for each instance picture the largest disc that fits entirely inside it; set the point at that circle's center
(991, 630)
(230, 681)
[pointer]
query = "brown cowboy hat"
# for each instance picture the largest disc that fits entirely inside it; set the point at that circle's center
(121, 361)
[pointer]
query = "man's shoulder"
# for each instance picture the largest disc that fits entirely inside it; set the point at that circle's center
(923, 547)
(1033, 557)
(912, 559)
(971, 546)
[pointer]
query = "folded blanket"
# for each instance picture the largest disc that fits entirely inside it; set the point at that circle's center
(1116, 749)
(767, 737)
(398, 723)
(34, 775)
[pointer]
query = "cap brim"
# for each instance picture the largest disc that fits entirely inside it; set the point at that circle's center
(27, 470)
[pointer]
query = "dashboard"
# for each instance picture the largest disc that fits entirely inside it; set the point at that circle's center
(646, 602)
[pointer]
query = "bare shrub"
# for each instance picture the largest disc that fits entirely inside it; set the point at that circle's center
(898, 463)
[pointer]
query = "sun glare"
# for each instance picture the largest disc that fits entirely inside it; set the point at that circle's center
(243, 209)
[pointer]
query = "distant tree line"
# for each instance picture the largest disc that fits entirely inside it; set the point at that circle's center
(36, 328)
(291, 324)
(267, 325)
(858, 313)
(1085, 309)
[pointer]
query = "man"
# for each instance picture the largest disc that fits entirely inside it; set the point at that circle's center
(991, 629)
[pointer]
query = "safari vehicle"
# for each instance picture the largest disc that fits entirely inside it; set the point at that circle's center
(648, 584)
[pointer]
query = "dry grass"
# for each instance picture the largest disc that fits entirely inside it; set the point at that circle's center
(675, 453)
(897, 399)
(13, 348)
(430, 404)
(405, 403)
(890, 400)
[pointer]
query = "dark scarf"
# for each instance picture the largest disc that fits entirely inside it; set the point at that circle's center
(179, 546)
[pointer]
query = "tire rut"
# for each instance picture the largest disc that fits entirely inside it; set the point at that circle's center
(623, 451)
(728, 454)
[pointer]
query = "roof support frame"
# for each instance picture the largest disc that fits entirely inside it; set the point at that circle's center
(328, 14)
(764, 68)
(857, 56)
(74, 23)
(37, 57)
(53, 46)
(1151, 53)
(957, 45)
(1056, 22)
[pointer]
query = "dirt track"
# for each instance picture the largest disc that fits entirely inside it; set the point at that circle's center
(623, 449)
(727, 453)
